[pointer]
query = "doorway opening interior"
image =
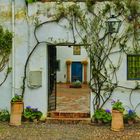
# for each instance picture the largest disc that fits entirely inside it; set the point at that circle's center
(71, 65)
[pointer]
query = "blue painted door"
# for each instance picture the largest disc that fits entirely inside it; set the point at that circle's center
(76, 71)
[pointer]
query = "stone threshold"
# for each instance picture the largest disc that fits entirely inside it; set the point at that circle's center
(68, 120)
(68, 117)
(62, 114)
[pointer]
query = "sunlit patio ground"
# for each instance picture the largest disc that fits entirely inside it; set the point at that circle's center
(73, 99)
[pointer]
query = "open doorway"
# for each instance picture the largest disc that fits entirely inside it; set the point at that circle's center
(66, 66)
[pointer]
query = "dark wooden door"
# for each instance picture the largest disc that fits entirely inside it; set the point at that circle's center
(51, 78)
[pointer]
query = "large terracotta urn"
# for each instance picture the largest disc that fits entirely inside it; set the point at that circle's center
(117, 123)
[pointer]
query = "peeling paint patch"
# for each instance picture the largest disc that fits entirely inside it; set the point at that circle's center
(19, 40)
(5, 12)
(21, 14)
(5, 15)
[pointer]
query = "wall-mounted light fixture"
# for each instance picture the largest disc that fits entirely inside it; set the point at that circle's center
(113, 24)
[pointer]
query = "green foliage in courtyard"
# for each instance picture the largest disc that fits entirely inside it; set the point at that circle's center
(102, 115)
(32, 114)
(76, 84)
(130, 115)
(118, 105)
(17, 98)
(4, 115)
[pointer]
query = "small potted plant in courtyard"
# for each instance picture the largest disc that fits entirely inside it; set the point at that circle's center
(102, 116)
(16, 110)
(130, 116)
(32, 114)
(76, 84)
(117, 123)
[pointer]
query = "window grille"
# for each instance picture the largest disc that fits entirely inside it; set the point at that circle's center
(133, 67)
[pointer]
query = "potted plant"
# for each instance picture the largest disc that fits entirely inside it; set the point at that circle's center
(16, 110)
(130, 116)
(32, 114)
(76, 84)
(117, 123)
(102, 116)
(4, 115)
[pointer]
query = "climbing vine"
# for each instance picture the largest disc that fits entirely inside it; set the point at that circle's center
(89, 22)
(5, 50)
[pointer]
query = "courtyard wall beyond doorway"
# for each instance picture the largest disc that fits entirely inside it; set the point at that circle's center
(66, 55)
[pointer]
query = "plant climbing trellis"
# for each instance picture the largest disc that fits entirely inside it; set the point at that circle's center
(89, 23)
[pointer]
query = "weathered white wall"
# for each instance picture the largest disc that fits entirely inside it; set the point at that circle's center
(65, 53)
(21, 44)
(51, 32)
(6, 88)
(25, 41)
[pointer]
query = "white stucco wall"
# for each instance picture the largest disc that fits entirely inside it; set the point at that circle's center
(48, 32)
(25, 41)
(6, 88)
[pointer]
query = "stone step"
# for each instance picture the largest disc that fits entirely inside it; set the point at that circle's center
(59, 114)
(68, 120)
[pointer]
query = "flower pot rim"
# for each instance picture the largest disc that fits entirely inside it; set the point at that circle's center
(18, 102)
(114, 110)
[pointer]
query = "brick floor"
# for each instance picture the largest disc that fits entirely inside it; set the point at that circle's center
(72, 99)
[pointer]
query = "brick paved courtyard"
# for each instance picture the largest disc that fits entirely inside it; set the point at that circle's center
(73, 99)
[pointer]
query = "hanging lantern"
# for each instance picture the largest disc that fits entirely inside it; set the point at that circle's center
(113, 24)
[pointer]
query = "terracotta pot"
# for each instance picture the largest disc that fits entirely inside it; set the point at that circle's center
(16, 113)
(117, 123)
(131, 122)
